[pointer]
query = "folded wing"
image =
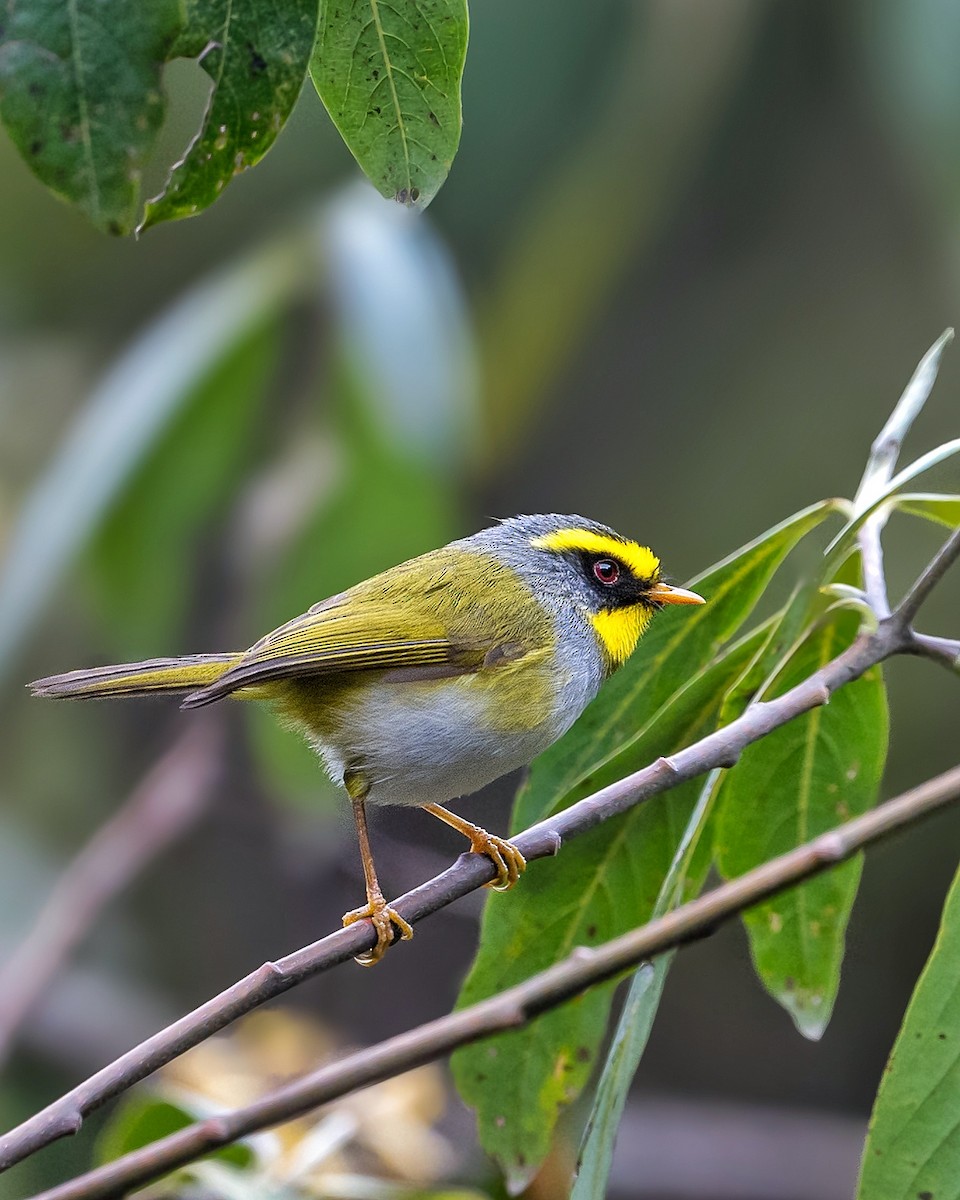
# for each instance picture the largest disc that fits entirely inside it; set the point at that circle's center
(341, 637)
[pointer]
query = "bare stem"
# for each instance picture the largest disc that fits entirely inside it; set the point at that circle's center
(515, 1007)
(169, 799)
(871, 559)
(945, 651)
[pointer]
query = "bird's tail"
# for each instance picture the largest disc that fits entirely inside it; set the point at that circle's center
(137, 679)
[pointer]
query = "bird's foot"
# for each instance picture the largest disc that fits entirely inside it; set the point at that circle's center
(508, 860)
(384, 919)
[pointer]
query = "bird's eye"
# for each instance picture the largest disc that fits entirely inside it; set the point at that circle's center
(606, 571)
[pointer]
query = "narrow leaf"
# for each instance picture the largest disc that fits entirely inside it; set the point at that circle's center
(646, 988)
(605, 883)
(149, 544)
(122, 420)
(257, 56)
(798, 782)
(626, 1049)
(886, 449)
(913, 1146)
(80, 95)
(834, 551)
(389, 76)
(945, 510)
(401, 311)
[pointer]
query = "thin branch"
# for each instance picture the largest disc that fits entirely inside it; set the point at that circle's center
(516, 1006)
(945, 651)
(167, 802)
(721, 748)
(928, 579)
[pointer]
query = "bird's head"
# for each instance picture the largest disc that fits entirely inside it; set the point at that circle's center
(613, 580)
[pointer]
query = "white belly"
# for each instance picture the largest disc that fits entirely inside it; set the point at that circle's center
(430, 742)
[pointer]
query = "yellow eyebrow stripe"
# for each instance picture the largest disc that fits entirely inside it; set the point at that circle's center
(641, 561)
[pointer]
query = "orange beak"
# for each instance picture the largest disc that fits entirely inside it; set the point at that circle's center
(664, 594)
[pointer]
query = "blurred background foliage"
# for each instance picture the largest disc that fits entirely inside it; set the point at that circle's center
(687, 256)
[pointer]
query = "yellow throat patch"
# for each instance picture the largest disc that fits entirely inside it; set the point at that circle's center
(618, 629)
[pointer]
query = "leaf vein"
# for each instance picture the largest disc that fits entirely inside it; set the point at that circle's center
(76, 60)
(388, 67)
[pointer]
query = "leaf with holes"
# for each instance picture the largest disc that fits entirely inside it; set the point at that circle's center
(913, 1147)
(389, 76)
(80, 96)
(798, 782)
(606, 882)
(257, 56)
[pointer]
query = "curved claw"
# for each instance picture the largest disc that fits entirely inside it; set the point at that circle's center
(383, 918)
(504, 855)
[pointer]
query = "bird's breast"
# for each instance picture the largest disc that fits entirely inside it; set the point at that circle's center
(422, 741)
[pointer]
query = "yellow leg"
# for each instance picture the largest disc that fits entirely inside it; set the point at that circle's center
(376, 909)
(508, 860)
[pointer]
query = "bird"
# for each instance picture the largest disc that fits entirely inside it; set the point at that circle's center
(428, 681)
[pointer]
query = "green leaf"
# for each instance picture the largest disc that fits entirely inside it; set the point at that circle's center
(257, 55)
(605, 882)
(678, 644)
(799, 781)
(886, 449)
(913, 1145)
(389, 76)
(80, 95)
(945, 510)
(646, 988)
(626, 1048)
(836, 551)
(144, 1119)
(644, 994)
(144, 553)
(663, 698)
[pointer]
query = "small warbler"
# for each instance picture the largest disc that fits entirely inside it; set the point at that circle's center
(437, 676)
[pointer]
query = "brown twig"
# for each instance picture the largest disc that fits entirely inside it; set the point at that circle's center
(165, 804)
(719, 749)
(515, 1007)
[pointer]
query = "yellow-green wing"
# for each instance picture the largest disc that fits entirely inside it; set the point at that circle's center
(352, 635)
(443, 611)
